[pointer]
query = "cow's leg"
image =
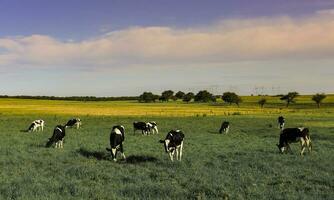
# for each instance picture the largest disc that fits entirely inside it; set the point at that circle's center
(177, 153)
(56, 146)
(227, 129)
(302, 145)
(61, 144)
(309, 144)
(288, 148)
(181, 148)
(171, 156)
(122, 151)
(156, 130)
(113, 154)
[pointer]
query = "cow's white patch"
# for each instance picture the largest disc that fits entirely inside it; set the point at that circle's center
(113, 151)
(117, 131)
(301, 128)
(59, 129)
(282, 149)
(167, 143)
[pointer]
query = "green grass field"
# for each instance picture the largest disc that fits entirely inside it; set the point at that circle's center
(244, 164)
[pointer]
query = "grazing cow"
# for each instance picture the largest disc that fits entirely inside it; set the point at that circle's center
(281, 122)
(174, 143)
(57, 137)
(74, 123)
(153, 127)
(225, 127)
(143, 126)
(292, 135)
(37, 125)
(116, 141)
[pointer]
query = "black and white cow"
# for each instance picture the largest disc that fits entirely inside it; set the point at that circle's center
(292, 135)
(76, 122)
(143, 126)
(37, 125)
(281, 122)
(225, 127)
(116, 141)
(174, 143)
(153, 127)
(57, 137)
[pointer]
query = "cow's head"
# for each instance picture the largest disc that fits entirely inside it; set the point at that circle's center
(281, 148)
(32, 127)
(305, 131)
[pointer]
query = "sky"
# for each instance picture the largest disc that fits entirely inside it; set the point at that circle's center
(126, 47)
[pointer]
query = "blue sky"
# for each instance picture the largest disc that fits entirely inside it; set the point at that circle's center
(113, 48)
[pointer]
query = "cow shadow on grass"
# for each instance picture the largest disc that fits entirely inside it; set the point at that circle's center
(98, 155)
(136, 159)
(24, 131)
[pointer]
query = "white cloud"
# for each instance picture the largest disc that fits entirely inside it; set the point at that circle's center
(227, 41)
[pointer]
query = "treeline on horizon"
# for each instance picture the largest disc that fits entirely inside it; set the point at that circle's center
(201, 96)
(227, 97)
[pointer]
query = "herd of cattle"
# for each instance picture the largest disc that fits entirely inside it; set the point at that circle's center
(173, 142)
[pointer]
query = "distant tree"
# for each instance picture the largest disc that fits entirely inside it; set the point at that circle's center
(238, 100)
(231, 97)
(166, 95)
(188, 97)
(262, 101)
(147, 97)
(318, 98)
(180, 95)
(174, 98)
(204, 96)
(289, 98)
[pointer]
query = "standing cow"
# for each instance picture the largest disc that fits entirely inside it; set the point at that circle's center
(57, 137)
(225, 127)
(116, 141)
(292, 135)
(153, 127)
(37, 125)
(76, 122)
(281, 122)
(174, 143)
(143, 126)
